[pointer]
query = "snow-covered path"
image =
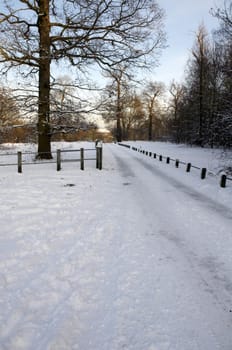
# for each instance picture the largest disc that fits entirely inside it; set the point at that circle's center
(127, 258)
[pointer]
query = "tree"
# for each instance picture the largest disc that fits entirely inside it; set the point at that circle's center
(221, 81)
(152, 92)
(35, 33)
(201, 73)
(9, 116)
(215, 80)
(117, 89)
(134, 116)
(197, 90)
(223, 38)
(200, 109)
(224, 15)
(122, 104)
(177, 92)
(65, 109)
(118, 92)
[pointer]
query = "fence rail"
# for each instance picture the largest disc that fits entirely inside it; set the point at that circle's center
(60, 156)
(203, 171)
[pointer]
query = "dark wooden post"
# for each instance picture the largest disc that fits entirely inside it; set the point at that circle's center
(82, 158)
(58, 160)
(168, 160)
(203, 173)
(160, 158)
(97, 157)
(223, 181)
(188, 167)
(19, 162)
(154, 155)
(100, 158)
(177, 163)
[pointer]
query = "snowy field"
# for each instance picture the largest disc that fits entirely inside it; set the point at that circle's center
(136, 256)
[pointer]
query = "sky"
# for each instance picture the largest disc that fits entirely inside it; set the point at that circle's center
(183, 18)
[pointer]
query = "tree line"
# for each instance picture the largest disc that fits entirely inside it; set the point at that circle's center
(54, 47)
(202, 106)
(39, 38)
(197, 111)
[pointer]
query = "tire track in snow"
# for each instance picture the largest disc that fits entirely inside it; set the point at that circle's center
(195, 195)
(30, 284)
(125, 162)
(213, 278)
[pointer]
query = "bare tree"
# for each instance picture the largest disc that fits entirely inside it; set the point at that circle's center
(201, 57)
(67, 109)
(224, 15)
(9, 114)
(34, 33)
(134, 116)
(117, 90)
(177, 92)
(152, 92)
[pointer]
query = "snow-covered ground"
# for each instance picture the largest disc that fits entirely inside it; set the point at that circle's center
(215, 160)
(136, 256)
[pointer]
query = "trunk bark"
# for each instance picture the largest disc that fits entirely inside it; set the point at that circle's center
(119, 113)
(150, 125)
(201, 88)
(150, 121)
(44, 132)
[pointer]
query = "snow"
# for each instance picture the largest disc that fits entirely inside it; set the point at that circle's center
(136, 256)
(213, 159)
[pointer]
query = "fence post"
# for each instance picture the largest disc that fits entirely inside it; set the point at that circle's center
(168, 160)
(82, 158)
(160, 158)
(154, 155)
(188, 167)
(97, 158)
(19, 162)
(203, 173)
(223, 181)
(100, 158)
(177, 163)
(58, 160)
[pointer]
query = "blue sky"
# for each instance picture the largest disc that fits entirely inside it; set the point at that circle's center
(183, 18)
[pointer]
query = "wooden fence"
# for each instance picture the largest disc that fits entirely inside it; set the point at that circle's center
(82, 155)
(203, 171)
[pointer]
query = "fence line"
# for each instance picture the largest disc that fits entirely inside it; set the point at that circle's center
(19, 159)
(203, 171)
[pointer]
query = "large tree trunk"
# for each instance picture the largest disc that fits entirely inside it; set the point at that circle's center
(44, 132)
